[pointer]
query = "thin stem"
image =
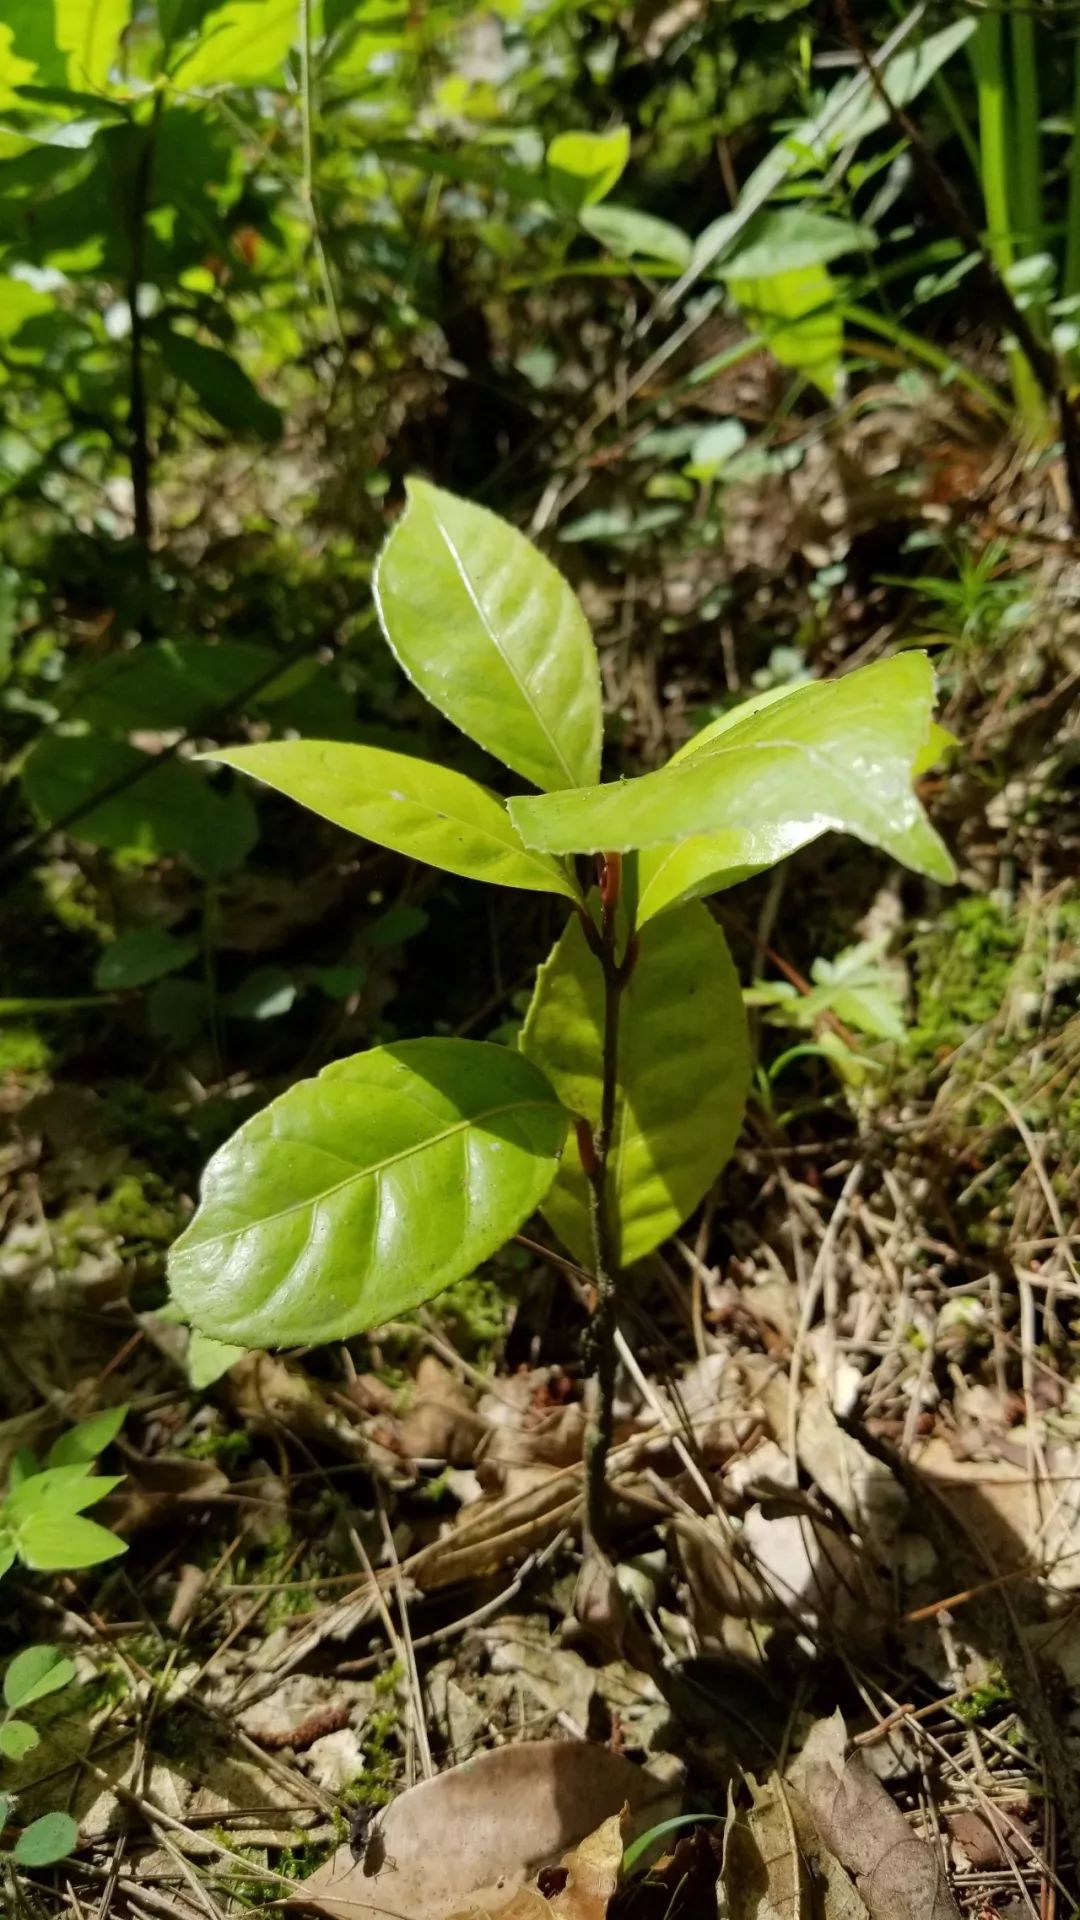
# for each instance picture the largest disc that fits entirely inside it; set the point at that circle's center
(596, 1154)
(1072, 218)
(138, 417)
(307, 137)
(987, 53)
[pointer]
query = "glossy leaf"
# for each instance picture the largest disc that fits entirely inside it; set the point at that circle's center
(583, 167)
(684, 1070)
(17, 1739)
(81, 1445)
(35, 1672)
(414, 806)
(239, 44)
(356, 1196)
(761, 782)
(220, 385)
(46, 1840)
(493, 636)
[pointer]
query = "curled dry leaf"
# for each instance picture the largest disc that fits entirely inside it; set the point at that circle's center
(898, 1875)
(441, 1422)
(473, 1839)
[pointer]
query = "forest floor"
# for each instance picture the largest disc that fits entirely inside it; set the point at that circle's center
(847, 1471)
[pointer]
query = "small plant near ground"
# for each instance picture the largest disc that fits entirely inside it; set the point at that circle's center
(31, 1676)
(360, 1194)
(41, 1513)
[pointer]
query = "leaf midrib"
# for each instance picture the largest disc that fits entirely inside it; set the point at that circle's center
(500, 649)
(363, 1173)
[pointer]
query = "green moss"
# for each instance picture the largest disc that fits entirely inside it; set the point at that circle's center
(23, 1049)
(231, 1448)
(139, 1207)
(990, 1698)
(964, 966)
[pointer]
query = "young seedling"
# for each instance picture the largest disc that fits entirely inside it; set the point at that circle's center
(41, 1512)
(358, 1195)
(32, 1675)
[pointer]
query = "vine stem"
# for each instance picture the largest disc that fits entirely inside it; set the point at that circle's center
(595, 1147)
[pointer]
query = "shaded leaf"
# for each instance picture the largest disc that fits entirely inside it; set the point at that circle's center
(360, 1194)
(762, 781)
(493, 636)
(684, 1070)
(168, 808)
(416, 807)
(209, 1360)
(626, 231)
(144, 954)
(81, 1445)
(220, 385)
(46, 1840)
(17, 1739)
(790, 239)
(35, 1672)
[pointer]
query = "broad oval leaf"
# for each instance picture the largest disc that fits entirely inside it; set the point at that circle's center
(830, 754)
(633, 234)
(17, 1739)
(46, 1840)
(493, 636)
(583, 167)
(220, 385)
(35, 1672)
(684, 1070)
(420, 809)
(359, 1194)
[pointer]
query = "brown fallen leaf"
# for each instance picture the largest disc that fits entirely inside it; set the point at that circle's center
(472, 1837)
(898, 1875)
(763, 1871)
(441, 1422)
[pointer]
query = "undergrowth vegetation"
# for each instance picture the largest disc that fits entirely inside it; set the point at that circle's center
(626, 456)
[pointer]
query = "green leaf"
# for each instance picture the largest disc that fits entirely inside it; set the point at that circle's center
(175, 683)
(356, 1196)
(81, 1445)
(240, 45)
(265, 994)
(57, 1490)
(17, 1739)
(493, 636)
(790, 240)
(88, 32)
(46, 1841)
(763, 781)
(55, 1542)
(145, 953)
(35, 1672)
(799, 314)
(630, 233)
(583, 167)
(220, 385)
(209, 1360)
(169, 808)
(418, 808)
(684, 1070)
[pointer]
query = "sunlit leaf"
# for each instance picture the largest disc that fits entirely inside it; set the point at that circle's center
(583, 167)
(53, 1542)
(35, 1672)
(416, 807)
(356, 1196)
(240, 44)
(799, 314)
(763, 781)
(88, 32)
(683, 1072)
(493, 636)
(82, 1444)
